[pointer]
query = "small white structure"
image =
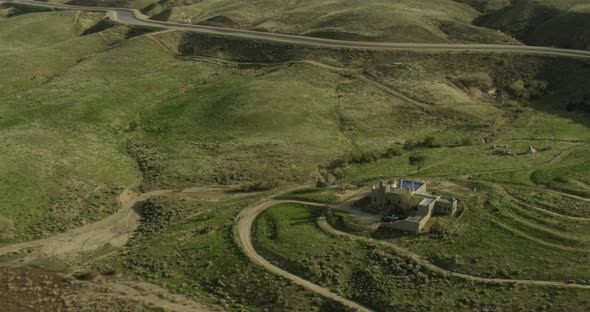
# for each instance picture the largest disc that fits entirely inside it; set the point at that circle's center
(531, 150)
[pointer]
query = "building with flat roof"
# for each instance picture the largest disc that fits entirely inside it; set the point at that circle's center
(388, 197)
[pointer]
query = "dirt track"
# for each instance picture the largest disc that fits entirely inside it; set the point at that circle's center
(112, 232)
(414, 257)
(244, 235)
(244, 230)
(506, 194)
(149, 294)
(116, 230)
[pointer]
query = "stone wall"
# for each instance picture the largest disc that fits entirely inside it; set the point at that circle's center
(407, 225)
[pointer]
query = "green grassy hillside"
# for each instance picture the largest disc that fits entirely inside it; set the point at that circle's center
(398, 21)
(50, 171)
(486, 5)
(135, 4)
(102, 117)
(86, 114)
(559, 23)
(206, 261)
(289, 236)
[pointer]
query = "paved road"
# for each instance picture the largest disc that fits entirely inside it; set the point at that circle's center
(134, 17)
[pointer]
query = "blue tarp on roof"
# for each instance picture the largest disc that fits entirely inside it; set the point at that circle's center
(411, 184)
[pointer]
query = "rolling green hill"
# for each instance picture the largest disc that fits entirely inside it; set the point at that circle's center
(536, 22)
(558, 23)
(87, 112)
(397, 21)
(375, 20)
(485, 6)
(50, 171)
(89, 115)
(135, 4)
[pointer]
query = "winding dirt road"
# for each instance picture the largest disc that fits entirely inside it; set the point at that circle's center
(244, 236)
(419, 260)
(112, 232)
(135, 17)
(506, 194)
(149, 294)
(116, 230)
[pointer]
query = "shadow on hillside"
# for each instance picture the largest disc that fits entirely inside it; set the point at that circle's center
(568, 93)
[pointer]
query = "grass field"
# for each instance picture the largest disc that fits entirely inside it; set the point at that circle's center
(316, 194)
(551, 201)
(485, 6)
(536, 22)
(84, 116)
(529, 243)
(50, 170)
(205, 261)
(289, 235)
(160, 121)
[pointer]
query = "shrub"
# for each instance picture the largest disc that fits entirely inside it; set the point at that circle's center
(258, 186)
(338, 163)
(405, 205)
(362, 157)
(528, 89)
(517, 88)
(418, 160)
(581, 104)
(439, 229)
(466, 141)
(110, 272)
(87, 276)
(6, 228)
(409, 145)
(430, 141)
(321, 184)
(392, 151)
(479, 80)
(537, 88)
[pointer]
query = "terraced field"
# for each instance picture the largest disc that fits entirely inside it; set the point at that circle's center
(288, 235)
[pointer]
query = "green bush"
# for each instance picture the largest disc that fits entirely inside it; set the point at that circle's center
(258, 186)
(409, 145)
(528, 89)
(418, 160)
(392, 151)
(405, 205)
(581, 105)
(430, 141)
(439, 229)
(338, 163)
(87, 276)
(467, 141)
(6, 228)
(479, 80)
(362, 157)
